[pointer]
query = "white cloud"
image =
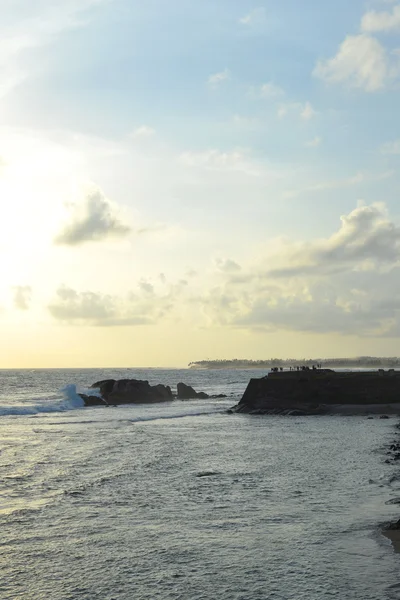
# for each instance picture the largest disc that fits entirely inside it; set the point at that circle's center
(49, 20)
(216, 160)
(94, 220)
(334, 184)
(314, 143)
(218, 78)
(283, 111)
(22, 296)
(375, 21)
(367, 239)
(307, 112)
(391, 147)
(346, 283)
(227, 265)
(361, 62)
(255, 17)
(143, 132)
(246, 122)
(271, 90)
(144, 306)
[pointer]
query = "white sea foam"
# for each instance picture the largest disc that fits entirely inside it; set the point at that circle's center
(177, 415)
(70, 401)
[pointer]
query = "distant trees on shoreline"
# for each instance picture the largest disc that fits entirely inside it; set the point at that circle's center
(358, 362)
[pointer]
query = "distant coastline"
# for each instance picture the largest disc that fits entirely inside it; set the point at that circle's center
(367, 362)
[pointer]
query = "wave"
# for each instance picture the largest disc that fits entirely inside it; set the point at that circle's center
(70, 401)
(181, 415)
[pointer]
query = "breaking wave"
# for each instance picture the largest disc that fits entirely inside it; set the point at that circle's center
(70, 401)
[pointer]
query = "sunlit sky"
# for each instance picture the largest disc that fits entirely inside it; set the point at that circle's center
(185, 180)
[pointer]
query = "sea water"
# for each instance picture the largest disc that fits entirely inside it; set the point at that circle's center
(183, 501)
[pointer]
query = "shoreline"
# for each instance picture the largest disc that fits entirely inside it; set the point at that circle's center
(345, 410)
(363, 409)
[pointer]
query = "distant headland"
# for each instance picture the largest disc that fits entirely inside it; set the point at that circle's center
(368, 362)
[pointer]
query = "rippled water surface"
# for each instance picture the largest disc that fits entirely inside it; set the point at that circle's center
(182, 501)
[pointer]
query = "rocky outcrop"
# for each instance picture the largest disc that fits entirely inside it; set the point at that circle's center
(186, 392)
(127, 391)
(133, 391)
(318, 391)
(93, 400)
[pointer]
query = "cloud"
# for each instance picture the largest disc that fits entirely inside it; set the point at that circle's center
(94, 220)
(314, 143)
(218, 78)
(216, 160)
(307, 112)
(22, 296)
(271, 90)
(141, 307)
(304, 111)
(361, 62)
(335, 184)
(255, 17)
(49, 21)
(329, 185)
(391, 147)
(227, 265)
(346, 283)
(143, 132)
(375, 21)
(366, 240)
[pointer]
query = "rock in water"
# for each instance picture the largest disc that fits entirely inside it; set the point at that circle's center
(186, 392)
(128, 391)
(93, 400)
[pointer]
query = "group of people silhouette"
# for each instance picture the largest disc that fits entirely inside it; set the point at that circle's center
(298, 368)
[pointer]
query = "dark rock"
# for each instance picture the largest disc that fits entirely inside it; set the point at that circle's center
(219, 396)
(105, 386)
(384, 417)
(186, 392)
(207, 474)
(128, 391)
(394, 526)
(93, 400)
(317, 391)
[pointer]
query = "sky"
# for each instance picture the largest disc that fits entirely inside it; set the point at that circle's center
(186, 180)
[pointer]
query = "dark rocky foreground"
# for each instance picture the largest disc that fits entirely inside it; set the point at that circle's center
(134, 391)
(322, 391)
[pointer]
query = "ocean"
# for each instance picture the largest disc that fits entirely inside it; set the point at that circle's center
(183, 501)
